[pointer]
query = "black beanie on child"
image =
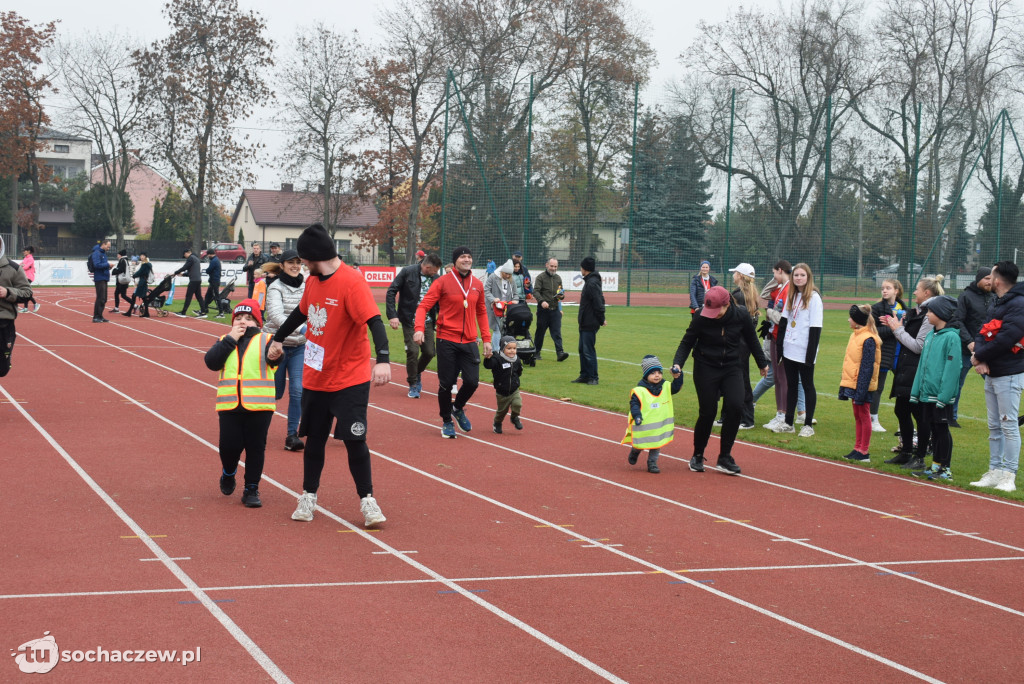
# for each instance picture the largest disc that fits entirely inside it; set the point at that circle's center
(858, 316)
(315, 244)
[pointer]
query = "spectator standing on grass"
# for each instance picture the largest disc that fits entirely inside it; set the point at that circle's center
(28, 264)
(256, 260)
(245, 400)
(716, 337)
(122, 280)
(911, 331)
(338, 307)
(521, 278)
(891, 304)
(14, 287)
(193, 269)
(973, 308)
(774, 294)
(143, 274)
(700, 284)
(651, 421)
(462, 316)
(101, 279)
(995, 356)
(213, 273)
(498, 288)
(935, 388)
(283, 297)
(549, 293)
(409, 287)
(590, 318)
(860, 377)
(506, 367)
(799, 337)
(746, 296)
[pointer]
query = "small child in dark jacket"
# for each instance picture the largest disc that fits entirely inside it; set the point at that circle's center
(651, 413)
(860, 377)
(506, 367)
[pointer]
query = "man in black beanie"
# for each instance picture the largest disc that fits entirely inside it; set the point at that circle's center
(973, 307)
(590, 318)
(338, 306)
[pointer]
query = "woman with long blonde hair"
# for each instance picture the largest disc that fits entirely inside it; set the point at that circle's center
(799, 336)
(747, 296)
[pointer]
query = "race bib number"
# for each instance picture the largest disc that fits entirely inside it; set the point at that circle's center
(314, 356)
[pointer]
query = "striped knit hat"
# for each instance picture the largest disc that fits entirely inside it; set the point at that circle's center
(649, 363)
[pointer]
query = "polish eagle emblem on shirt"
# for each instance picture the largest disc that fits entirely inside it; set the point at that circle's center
(316, 320)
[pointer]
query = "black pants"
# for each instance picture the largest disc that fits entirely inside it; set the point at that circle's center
(212, 296)
(454, 358)
(101, 298)
(319, 410)
(30, 299)
(797, 373)
(710, 382)
(244, 430)
(550, 321)
(120, 292)
(194, 290)
(907, 414)
(7, 336)
(933, 426)
(747, 415)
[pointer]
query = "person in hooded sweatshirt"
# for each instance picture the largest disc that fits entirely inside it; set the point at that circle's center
(14, 288)
(716, 337)
(651, 423)
(973, 307)
(506, 367)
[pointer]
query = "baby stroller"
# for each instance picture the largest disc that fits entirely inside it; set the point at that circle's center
(516, 322)
(224, 301)
(159, 295)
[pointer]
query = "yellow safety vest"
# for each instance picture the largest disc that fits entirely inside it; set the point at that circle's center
(253, 383)
(658, 427)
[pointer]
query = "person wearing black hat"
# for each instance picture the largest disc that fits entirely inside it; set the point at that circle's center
(338, 307)
(935, 387)
(590, 318)
(973, 307)
(194, 269)
(122, 280)
(860, 376)
(506, 367)
(213, 271)
(461, 320)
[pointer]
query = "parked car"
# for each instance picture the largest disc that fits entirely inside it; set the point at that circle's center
(227, 252)
(893, 271)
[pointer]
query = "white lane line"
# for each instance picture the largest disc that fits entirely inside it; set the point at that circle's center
(201, 596)
(391, 553)
(178, 558)
(772, 534)
(466, 593)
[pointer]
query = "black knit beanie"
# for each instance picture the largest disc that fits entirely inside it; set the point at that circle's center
(315, 244)
(588, 264)
(858, 316)
(459, 251)
(983, 272)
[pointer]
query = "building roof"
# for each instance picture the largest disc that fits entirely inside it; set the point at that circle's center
(300, 209)
(53, 134)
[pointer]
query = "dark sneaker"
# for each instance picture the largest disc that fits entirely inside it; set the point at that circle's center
(251, 497)
(227, 484)
(914, 464)
(462, 420)
(592, 381)
(581, 380)
(954, 424)
(517, 423)
(697, 463)
(127, 313)
(448, 430)
(900, 458)
(941, 474)
(537, 356)
(497, 428)
(727, 465)
(561, 356)
(746, 426)
(859, 457)
(653, 467)
(718, 423)
(293, 443)
(634, 454)
(181, 314)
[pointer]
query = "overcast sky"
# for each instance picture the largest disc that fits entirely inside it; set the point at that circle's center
(670, 27)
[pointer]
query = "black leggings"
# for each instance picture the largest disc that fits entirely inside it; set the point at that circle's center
(454, 358)
(244, 430)
(796, 374)
(313, 457)
(120, 292)
(908, 414)
(710, 382)
(194, 290)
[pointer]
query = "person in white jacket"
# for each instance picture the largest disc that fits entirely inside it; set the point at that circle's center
(283, 295)
(498, 288)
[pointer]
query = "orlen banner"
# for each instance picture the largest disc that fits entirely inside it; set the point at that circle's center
(379, 276)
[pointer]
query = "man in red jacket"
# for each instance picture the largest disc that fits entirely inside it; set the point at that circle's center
(461, 320)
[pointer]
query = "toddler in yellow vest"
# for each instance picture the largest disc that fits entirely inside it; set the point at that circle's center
(245, 398)
(860, 376)
(651, 414)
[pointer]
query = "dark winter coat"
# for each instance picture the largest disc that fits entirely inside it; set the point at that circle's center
(252, 263)
(100, 265)
(406, 286)
(213, 270)
(973, 309)
(12, 276)
(193, 267)
(697, 290)
(906, 367)
(997, 352)
(591, 313)
(889, 342)
(506, 374)
(720, 342)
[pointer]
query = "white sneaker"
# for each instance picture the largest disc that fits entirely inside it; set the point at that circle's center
(989, 479)
(802, 419)
(783, 427)
(36, 309)
(806, 431)
(770, 425)
(1007, 481)
(371, 511)
(875, 425)
(307, 504)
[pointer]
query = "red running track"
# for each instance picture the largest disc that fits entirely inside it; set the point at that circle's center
(531, 556)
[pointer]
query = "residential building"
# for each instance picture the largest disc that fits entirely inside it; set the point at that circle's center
(145, 187)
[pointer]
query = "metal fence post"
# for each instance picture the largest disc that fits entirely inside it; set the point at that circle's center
(632, 195)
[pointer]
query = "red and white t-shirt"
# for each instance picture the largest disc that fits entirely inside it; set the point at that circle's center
(337, 348)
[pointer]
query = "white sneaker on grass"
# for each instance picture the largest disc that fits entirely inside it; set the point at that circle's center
(307, 504)
(783, 427)
(770, 425)
(1007, 481)
(371, 511)
(989, 479)
(802, 418)
(875, 425)
(806, 431)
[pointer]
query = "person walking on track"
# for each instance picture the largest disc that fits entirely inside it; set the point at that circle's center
(410, 286)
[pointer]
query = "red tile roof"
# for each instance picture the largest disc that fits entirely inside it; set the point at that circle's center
(282, 208)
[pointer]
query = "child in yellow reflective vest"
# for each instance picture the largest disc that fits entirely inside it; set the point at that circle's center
(651, 414)
(245, 398)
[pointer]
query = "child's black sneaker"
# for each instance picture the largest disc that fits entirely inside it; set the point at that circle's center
(227, 484)
(914, 464)
(697, 463)
(517, 423)
(727, 465)
(859, 457)
(497, 428)
(634, 454)
(251, 497)
(293, 443)
(652, 467)
(900, 458)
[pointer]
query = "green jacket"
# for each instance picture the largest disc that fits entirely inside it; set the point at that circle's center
(938, 372)
(545, 286)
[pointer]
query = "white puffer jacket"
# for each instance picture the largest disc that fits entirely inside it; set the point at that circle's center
(281, 300)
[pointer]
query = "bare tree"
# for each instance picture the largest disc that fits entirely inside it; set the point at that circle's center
(98, 73)
(205, 76)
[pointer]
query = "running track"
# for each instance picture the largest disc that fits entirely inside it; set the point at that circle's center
(530, 556)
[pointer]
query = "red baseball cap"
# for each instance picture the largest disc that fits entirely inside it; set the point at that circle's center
(715, 300)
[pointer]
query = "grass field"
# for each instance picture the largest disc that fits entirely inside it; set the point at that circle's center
(633, 332)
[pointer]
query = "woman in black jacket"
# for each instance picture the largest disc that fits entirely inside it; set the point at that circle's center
(720, 333)
(143, 274)
(891, 304)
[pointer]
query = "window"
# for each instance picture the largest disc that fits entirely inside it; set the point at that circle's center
(62, 148)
